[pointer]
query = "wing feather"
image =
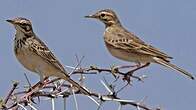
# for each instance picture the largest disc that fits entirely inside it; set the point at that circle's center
(43, 51)
(130, 42)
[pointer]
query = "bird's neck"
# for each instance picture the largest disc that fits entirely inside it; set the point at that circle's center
(115, 24)
(21, 35)
(114, 28)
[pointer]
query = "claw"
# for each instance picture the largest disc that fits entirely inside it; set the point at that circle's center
(127, 78)
(27, 97)
(114, 70)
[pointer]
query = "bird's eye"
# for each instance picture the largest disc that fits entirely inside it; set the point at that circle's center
(23, 24)
(26, 27)
(102, 15)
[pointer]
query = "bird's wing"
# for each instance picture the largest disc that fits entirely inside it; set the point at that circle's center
(43, 51)
(132, 43)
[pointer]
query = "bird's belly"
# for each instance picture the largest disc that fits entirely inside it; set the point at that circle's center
(34, 63)
(128, 55)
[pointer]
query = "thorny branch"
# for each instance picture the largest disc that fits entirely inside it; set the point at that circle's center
(52, 90)
(113, 70)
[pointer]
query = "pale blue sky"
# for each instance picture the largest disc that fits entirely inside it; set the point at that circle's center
(166, 24)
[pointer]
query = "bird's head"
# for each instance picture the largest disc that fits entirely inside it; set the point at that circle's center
(22, 25)
(107, 16)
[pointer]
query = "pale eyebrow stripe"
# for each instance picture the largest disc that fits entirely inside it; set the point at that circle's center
(22, 21)
(107, 13)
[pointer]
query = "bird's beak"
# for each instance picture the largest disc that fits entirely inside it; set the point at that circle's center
(10, 21)
(90, 16)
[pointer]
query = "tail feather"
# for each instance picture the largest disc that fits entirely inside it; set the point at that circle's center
(174, 67)
(75, 84)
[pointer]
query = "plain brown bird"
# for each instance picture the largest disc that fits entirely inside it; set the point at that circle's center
(128, 47)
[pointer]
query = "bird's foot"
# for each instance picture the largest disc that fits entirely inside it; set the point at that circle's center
(45, 82)
(27, 97)
(127, 77)
(129, 74)
(114, 70)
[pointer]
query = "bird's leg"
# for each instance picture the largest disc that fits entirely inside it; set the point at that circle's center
(115, 69)
(130, 73)
(139, 67)
(44, 81)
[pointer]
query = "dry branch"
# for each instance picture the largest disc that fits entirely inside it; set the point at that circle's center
(51, 90)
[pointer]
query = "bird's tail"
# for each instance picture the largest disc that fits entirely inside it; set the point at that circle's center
(172, 66)
(75, 84)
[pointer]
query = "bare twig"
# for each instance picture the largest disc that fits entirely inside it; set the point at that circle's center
(114, 71)
(50, 90)
(75, 100)
(64, 102)
(28, 81)
(22, 106)
(79, 61)
(100, 97)
(120, 107)
(32, 107)
(53, 104)
(15, 84)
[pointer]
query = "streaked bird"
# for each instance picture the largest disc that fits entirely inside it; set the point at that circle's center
(35, 56)
(128, 47)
